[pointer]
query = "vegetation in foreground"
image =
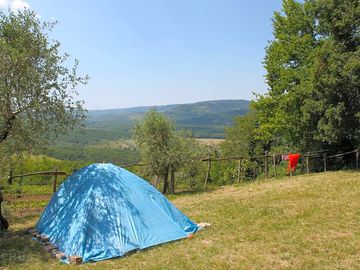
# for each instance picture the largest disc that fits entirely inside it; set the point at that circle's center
(305, 222)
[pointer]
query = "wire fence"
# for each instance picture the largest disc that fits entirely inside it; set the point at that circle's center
(268, 166)
(24, 200)
(31, 199)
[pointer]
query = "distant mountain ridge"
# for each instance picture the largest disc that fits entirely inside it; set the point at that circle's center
(205, 118)
(107, 131)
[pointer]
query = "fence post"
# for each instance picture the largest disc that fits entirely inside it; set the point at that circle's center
(266, 165)
(253, 171)
(208, 172)
(357, 159)
(274, 164)
(324, 158)
(307, 163)
(55, 180)
(239, 170)
(10, 177)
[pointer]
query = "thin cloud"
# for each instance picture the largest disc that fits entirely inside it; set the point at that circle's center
(14, 5)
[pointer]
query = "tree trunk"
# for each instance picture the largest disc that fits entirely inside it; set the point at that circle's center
(166, 176)
(7, 128)
(172, 182)
(4, 224)
(157, 181)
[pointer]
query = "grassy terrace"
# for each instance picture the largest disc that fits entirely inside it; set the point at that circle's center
(306, 222)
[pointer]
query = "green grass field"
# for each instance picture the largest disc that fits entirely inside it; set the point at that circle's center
(306, 222)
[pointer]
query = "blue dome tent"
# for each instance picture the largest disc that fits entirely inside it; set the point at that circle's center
(104, 211)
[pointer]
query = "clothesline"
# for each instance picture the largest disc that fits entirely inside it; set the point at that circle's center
(276, 155)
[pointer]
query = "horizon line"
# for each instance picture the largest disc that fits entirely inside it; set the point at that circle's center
(167, 104)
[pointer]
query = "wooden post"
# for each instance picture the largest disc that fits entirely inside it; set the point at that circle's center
(307, 163)
(253, 170)
(208, 172)
(324, 158)
(239, 170)
(55, 180)
(357, 159)
(10, 177)
(274, 164)
(266, 165)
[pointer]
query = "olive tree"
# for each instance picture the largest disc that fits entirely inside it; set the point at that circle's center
(183, 150)
(162, 148)
(38, 97)
(152, 137)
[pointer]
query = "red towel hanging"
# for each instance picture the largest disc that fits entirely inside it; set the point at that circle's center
(293, 161)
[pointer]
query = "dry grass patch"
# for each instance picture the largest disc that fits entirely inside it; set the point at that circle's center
(209, 141)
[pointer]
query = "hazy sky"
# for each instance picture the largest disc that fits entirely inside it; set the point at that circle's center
(150, 52)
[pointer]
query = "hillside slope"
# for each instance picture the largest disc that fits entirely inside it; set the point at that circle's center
(205, 119)
(306, 222)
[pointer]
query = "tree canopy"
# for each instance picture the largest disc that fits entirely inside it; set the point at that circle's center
(37, 84)
(240, 138)
(162, 148)
(313, 73)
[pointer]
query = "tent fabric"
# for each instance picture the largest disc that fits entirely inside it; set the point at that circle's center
(104, 211)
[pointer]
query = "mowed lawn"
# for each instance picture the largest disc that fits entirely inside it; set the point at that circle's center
(306, 222)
